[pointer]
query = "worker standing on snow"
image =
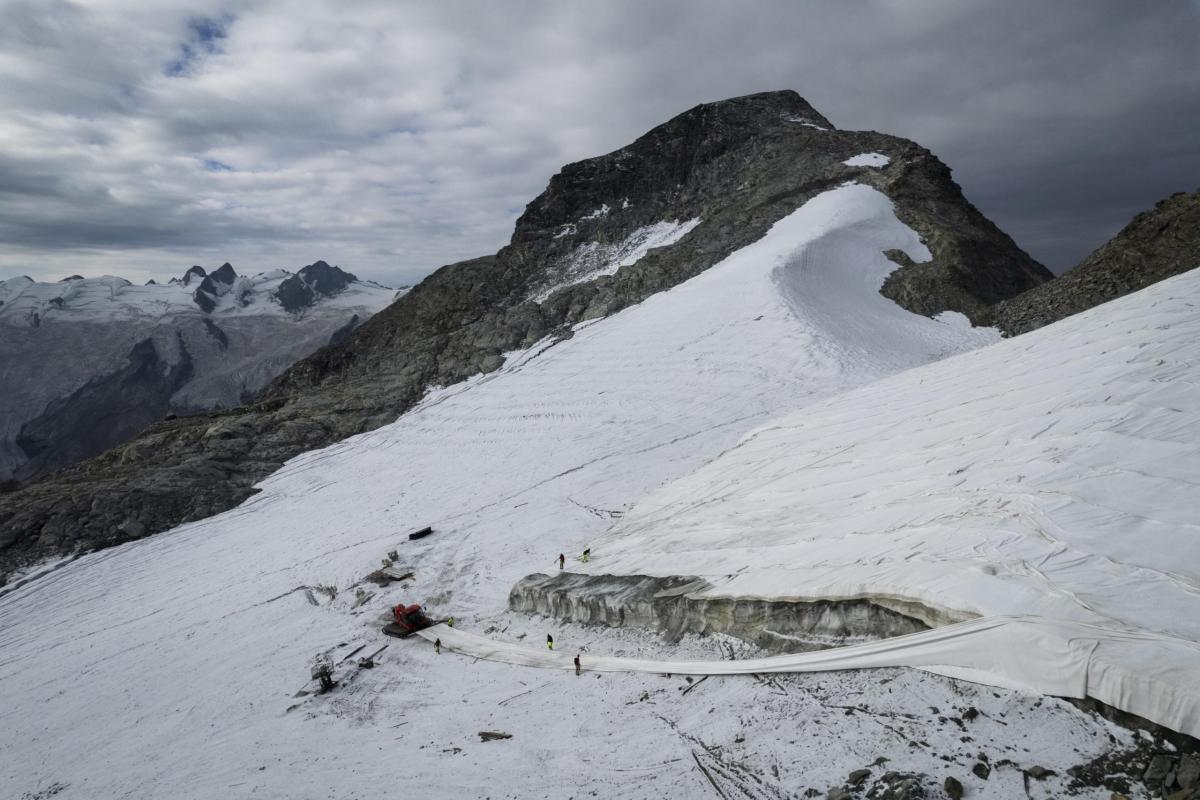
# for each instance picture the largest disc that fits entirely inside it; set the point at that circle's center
(437, 646)
(577, 665)
(586, 555)
(450, 622)
(549, 642)
(562, 560)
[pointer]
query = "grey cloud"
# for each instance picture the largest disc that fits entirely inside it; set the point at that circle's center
(393, 138)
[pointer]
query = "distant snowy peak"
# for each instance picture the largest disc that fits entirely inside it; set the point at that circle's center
(311, 283)
(193, 274)
(214, 285)
(24, 301)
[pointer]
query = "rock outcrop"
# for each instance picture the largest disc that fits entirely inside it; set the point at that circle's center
(1157, 244)
(708, 182)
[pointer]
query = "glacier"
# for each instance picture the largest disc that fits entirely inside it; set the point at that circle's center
(170, 665)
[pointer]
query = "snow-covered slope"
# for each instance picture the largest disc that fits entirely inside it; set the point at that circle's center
(196, 638)
(88, 362)
(1052, 475)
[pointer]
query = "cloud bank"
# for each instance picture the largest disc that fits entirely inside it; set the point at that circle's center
(394, 137)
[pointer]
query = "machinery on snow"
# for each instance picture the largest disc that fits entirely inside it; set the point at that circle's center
(407, 620)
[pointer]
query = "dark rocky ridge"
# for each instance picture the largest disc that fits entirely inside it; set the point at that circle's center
(739, 165)
(1157, 244)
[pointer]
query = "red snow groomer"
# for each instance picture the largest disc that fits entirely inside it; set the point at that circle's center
(407, 620)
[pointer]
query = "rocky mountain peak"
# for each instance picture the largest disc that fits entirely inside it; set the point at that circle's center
(312, 282)
(224, 274)
(216, 284)
(325, 279)
(195, 273)
(721, 173)
(607, 233)
(647, 174)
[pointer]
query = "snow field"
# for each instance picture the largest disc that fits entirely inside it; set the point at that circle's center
(168, 666)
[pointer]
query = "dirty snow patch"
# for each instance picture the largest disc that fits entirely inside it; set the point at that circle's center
(806, 123)
(960, 321)
(592, 259)
(602, 211)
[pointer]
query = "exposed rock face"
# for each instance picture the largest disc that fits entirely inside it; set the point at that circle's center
(224, 274)
(1157, 244)
(341, 334)
(718, 176)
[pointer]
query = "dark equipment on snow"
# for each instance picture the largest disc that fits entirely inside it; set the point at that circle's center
(322, 670)
(421, 534)
(407, 620)
(389, 574)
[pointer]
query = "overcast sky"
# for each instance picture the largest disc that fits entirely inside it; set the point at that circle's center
(138, 138)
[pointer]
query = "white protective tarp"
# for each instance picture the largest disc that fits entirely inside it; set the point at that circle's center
(1052, 476)
(1067, 659)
